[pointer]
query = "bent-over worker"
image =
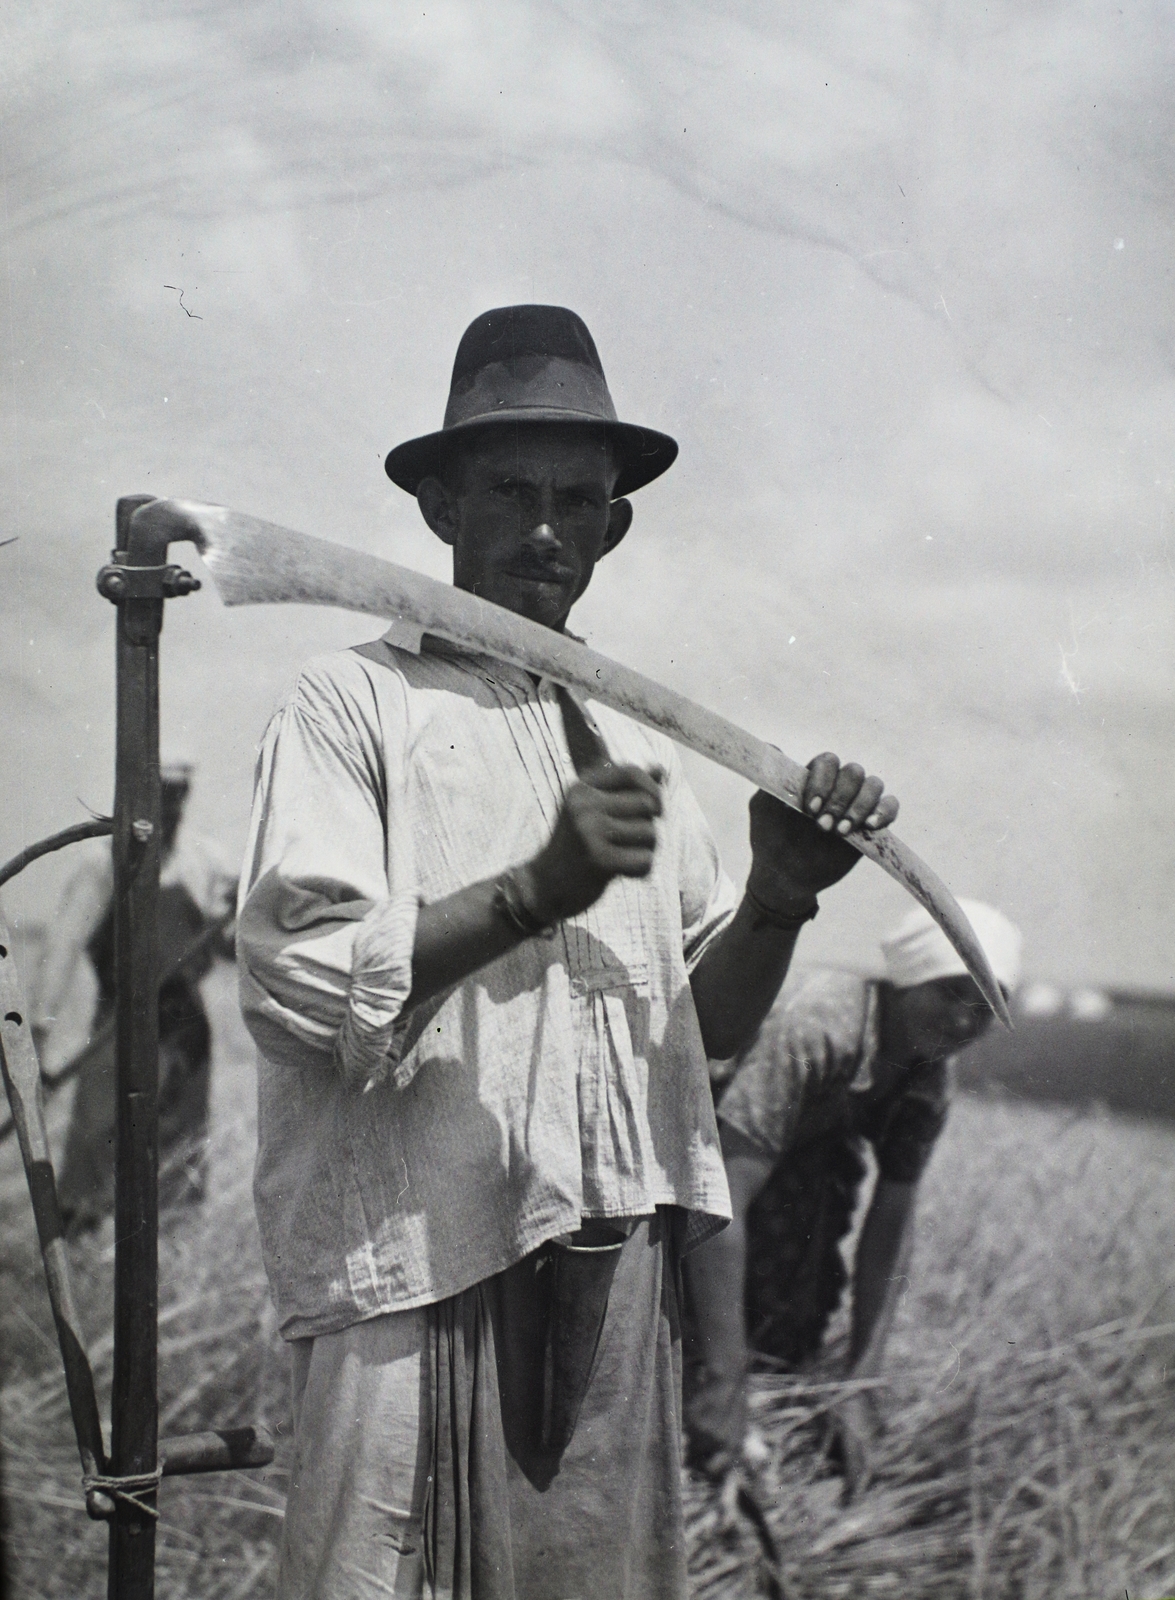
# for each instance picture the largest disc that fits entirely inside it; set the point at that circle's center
(839, 1061)
(195, 906)
(486, 947)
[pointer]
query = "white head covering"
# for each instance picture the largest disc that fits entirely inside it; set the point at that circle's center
(176, 768)
(917, 951)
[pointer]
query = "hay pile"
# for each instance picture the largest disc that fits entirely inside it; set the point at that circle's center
(1030, 1448)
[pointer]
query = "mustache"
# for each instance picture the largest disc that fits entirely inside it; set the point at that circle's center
(539, 571)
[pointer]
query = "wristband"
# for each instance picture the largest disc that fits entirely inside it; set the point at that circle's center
(784, 921)
(510, 903)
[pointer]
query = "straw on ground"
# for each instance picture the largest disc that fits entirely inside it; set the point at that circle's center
(1030, 1446)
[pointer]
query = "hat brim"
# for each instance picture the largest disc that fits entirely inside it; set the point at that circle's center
(644, 453)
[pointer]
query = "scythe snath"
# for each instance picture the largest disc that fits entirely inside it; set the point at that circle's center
(121, 1488)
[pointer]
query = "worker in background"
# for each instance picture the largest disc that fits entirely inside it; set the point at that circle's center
(840, 1061)
(195, 909)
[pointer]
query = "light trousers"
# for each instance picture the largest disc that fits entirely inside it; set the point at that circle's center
(355, 1508)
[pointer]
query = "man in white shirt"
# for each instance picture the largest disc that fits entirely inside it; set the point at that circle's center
(486, 948)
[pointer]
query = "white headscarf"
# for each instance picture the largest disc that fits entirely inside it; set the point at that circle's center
(176, 768)
(918, 951)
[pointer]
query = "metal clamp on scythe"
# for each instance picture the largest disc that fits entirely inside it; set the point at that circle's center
(121, 1488)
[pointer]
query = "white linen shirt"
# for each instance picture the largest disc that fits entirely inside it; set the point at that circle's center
(405, 1155)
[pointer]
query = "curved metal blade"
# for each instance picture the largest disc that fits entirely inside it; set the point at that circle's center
(254, 562)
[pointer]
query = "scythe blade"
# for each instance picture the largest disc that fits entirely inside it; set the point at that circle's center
(254, 562)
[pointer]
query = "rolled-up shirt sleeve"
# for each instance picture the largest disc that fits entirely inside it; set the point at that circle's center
(328, 900)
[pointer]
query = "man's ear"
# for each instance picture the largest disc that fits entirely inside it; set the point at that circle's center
(619, 522)
(438, 508)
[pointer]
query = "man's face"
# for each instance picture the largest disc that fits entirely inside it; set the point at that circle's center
(938, 1018)
(527, 511)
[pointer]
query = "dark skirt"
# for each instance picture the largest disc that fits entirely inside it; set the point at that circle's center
(796, 1274)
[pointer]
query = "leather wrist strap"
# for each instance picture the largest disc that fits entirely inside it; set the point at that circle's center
(784, 921)
(510, 903)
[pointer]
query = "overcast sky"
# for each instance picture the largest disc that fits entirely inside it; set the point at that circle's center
(898, 277)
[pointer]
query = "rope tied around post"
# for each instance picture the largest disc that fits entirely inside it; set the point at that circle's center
(131, 1489)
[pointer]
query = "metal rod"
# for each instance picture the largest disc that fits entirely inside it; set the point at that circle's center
(137, 823)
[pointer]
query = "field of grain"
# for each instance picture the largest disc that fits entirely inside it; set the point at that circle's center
(1030, 1444)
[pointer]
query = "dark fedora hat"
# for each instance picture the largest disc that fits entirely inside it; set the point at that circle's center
(532, 364)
